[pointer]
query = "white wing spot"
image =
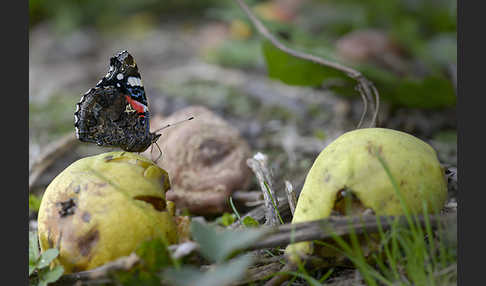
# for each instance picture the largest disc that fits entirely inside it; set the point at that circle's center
(119, 76)
(134, 81)
(130, 81)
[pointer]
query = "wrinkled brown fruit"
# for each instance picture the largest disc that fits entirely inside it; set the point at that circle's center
(205, 159)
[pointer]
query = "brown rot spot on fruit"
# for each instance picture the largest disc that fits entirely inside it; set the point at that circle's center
(372, 149)
(67, 207)
(347, 203)
(88, 241)
(86, 216)
(158, 203)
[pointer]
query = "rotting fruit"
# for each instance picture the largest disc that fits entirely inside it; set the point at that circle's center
(209, 166)
(351, 164)
(102, 207)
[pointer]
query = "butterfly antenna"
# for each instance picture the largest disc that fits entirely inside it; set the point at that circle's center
(169, 125)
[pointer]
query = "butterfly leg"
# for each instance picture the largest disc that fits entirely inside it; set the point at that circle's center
(160, 151)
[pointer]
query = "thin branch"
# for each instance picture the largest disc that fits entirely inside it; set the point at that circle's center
(100, 275)
(318, 230)
(365, 87)
(291, 197)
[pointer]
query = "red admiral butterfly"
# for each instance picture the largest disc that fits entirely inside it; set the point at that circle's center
(115, 112)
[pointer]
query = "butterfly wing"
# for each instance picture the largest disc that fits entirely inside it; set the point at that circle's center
(123, 73)
(115, 112)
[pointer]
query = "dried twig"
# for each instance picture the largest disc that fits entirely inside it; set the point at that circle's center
(260, 272)
(183, 249)
(100, 275)
(248, 198)
(291, 197)
(281, 278)
(365, 87)
(258, 164)
(318, 230)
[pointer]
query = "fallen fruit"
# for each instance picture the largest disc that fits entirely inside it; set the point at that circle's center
(102, 207)
(206, 160)
(351, 164)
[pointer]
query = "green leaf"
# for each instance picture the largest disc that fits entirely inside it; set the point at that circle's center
(250, 222)
(295, 71)
(31, 268)
(217, 245)
(33, 247)
(432, 91)
(429, 92)
(46, 257)
(226, 219)
(224, 274)
(155, 254)
(50, 275)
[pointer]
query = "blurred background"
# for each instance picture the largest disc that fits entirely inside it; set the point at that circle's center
(208, 53)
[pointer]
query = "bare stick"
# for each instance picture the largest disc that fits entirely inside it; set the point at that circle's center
(291, 197)
(258, 164)
(281, 278)
(321, 229)
(248, 198)
(100, 275)
(365, 87)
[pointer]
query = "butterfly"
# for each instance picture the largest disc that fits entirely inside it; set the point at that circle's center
(115, 113)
